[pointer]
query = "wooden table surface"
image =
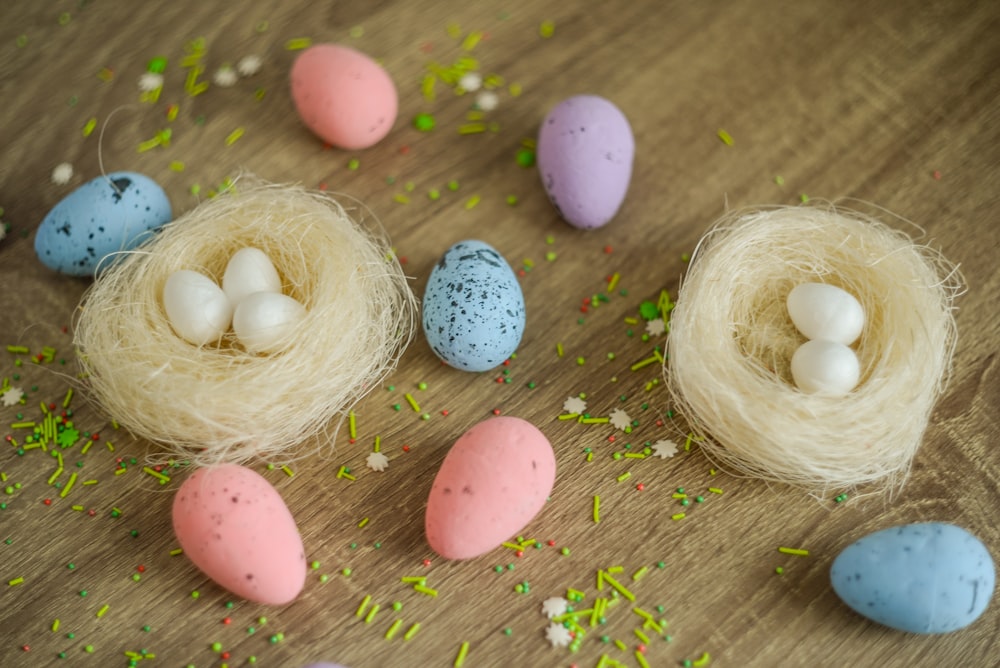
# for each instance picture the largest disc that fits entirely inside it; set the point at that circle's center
(891, 103)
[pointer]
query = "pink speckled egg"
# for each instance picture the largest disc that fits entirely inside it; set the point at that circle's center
(237, 529)
(343, 96)
(585, 151)
(491, 484)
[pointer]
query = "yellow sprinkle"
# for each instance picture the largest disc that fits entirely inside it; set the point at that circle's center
(148, 144)
(620, 645)
(392, 629)
(471, 128)
(410, 579)
(613, 282)
(45, 409)
(413, 402)
(600, 580)
(427, 88)
(176, 552)
(69, 396)
(454, 30)
(412, 631)
(725, 137)
(198, 89)
(590, 456)
(471, 40)
(559, 349)
(715, 490)
(595, 420)
(703, 661)
(371, 613)
(401, 198)
(90, 482)
(363, 523)
(425, 590)
(86, 447)
(616, 569)
(22, 425)
(791, 550)
(641, 636)
(631, 321)
(472, 202)
(110, 445)
(597, 509)
(547, 29)
(515, 89)
(15, 581)
(677, 516)
(89, 127)
(639, 573)
(619, 587)
(624, 476)
(352, 425)
(644, 363)
(177, 166)
(156, 474)
(56, 474)
(678, 495)
(120, 471)
(69, 485)
(104, 609)
(234, 136)
(289, 472)
(634, 455)
(172, 112)
(639, 656)
(55, 625)
(298, 43)
(569, 416)
(463, 651)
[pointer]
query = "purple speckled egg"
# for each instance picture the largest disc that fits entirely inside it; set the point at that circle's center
(585, 151)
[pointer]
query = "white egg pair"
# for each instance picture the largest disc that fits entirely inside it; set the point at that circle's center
(250, 300)
(832, 319)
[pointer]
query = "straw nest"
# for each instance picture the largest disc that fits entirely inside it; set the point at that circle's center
(731, 341)
(220, 403)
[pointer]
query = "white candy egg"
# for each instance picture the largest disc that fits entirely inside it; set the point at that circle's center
(263, 321)
(822, 311)
(825, 367)
(249, 270)
(197, 308)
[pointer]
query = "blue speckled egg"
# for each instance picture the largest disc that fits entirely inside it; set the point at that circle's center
(105, 215)
(473, 309)
(921, 578)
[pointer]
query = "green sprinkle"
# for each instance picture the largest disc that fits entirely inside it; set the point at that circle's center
(525, 157)
(424, 122)
(157, 65)
(353, 164)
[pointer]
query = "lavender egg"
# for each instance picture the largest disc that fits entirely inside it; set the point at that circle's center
(108, 214)
(473, 308)
(585, 152)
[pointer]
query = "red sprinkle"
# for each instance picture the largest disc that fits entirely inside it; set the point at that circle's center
(641, 648)
(519, 554)
(406, 448)
(445, 412)
(611, 439)
(937, 175)
(496, 411)
(427, 563)
(224, 655)
(551, 543)
(227, 620)
(47, 502)
(640, 486)
(141, 568)
(608, 249)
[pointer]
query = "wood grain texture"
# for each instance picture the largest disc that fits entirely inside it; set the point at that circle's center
(846, 99)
